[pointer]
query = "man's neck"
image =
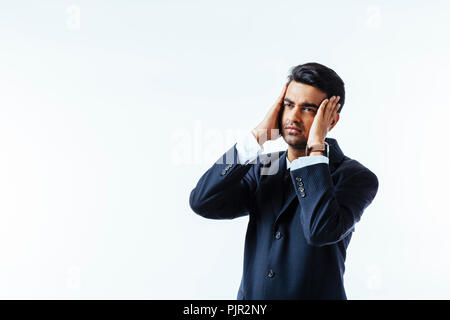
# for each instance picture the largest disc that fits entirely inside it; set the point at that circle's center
(293, 154)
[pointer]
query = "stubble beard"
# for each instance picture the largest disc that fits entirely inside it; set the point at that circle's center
(295, 141)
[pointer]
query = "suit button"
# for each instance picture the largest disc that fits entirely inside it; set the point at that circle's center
(271, 274)
(301, 189)
(223, 172)
(278, 235)
(303, 195)
(298, 179)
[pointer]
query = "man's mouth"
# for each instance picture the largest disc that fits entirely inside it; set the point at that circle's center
(292, 129)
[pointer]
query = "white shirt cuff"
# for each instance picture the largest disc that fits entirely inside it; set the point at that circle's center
(307, 161)
(248, 148)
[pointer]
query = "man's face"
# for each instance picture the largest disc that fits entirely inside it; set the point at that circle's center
(301, 103)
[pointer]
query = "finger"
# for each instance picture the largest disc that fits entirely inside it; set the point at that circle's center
(336, 108)
(331, 107)
(337, 104)
(321, 111)
(283, 93)
(333, 115)
(323, 106)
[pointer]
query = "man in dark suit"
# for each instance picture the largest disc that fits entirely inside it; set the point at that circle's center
(303, 203)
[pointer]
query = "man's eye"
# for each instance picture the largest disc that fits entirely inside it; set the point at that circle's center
(309, 109)
(288, 105)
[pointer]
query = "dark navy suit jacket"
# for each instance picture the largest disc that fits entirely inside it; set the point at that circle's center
(300, 221)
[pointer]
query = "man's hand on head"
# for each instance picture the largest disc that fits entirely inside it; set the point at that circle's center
(324, 120)
(268, 129)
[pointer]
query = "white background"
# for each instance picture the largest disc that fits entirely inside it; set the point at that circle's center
(110, 111)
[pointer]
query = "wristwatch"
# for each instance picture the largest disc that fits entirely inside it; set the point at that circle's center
(323, 147)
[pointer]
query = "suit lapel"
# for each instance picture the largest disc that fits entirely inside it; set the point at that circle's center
(274, 183)
(277, 186)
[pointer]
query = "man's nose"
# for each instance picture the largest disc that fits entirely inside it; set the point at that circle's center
(295, 114)
(294, 119)
(293, 122)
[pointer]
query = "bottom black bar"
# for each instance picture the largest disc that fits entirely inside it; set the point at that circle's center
(226, 309)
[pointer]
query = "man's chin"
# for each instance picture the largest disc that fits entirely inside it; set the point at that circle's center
(295, 142)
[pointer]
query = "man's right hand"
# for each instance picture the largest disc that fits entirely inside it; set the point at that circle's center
(268, 128)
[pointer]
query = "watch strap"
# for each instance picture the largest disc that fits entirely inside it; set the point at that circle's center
(323, 147)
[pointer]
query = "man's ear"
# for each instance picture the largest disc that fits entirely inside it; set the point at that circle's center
(334, 122)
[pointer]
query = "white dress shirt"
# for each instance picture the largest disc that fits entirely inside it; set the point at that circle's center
(248, 149)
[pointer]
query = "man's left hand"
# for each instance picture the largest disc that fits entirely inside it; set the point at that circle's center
(324, 118)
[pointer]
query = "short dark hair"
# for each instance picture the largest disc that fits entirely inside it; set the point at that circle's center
(320, 77)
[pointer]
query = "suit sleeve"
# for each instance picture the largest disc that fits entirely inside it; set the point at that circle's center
(226, 190)
(330, 211)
